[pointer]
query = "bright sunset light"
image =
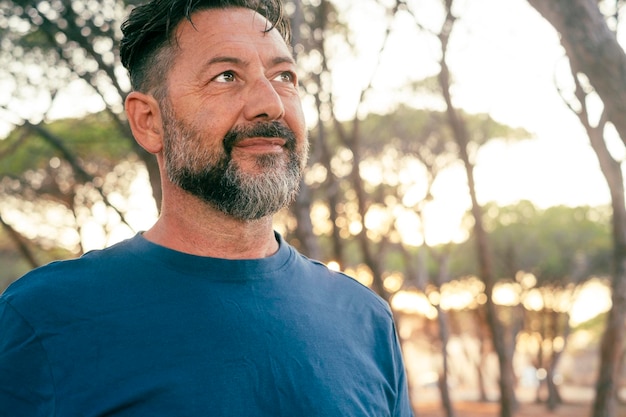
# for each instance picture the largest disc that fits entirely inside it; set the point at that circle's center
(453, 169)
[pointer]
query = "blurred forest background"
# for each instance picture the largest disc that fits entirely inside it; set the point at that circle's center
(508, 303)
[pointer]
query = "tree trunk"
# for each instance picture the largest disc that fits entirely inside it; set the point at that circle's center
(610, 349)
(372, 256)
(301, 207)
(613, 339)
(508, 402)
(372, 260)
(593, 50)
(21, 245)
(304, 232)
(539, 360)
(319, 145)
(559, 321)
(444, 336)
(554, 396)
(482, 334)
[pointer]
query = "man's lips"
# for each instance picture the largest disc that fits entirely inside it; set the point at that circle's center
(261, 144)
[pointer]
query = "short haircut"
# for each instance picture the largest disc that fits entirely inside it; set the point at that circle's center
(146, 48)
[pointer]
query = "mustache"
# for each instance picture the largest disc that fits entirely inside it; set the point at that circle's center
(272, 129)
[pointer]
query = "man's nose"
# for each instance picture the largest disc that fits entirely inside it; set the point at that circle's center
(263, 101)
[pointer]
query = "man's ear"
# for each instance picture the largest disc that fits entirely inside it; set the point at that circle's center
(144, 116)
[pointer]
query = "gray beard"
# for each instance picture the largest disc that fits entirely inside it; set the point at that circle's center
(218, 180)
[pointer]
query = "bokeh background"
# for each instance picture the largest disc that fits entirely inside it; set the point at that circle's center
(466, 164)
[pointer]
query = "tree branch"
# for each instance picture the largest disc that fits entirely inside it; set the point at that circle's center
(83, 175)
(19, 242)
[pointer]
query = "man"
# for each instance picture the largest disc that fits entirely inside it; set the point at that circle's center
(208, 313)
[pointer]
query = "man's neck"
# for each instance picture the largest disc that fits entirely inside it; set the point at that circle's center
(198, 229)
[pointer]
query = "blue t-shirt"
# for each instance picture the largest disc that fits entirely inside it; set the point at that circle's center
(141, 330)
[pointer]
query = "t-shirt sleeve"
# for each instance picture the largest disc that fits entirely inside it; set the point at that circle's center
(26, 387)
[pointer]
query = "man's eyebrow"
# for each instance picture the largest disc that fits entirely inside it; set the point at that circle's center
(286, 59)
(223, 59)
(220, 59)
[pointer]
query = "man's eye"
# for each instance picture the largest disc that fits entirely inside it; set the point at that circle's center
(225, 77)
(286, 77)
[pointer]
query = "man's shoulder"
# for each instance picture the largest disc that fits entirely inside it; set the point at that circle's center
(63, 276)
(342, 285)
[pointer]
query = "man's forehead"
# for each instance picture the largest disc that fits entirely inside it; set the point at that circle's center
(230, 20)
(215, 32)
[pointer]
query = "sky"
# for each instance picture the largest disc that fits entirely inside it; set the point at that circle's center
(519, 66)
(504, 59)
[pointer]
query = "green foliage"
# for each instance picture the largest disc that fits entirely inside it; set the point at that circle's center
(92, 138)
(411, 131)
(559, 245)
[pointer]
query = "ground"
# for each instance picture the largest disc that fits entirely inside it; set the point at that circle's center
(577, 402)
(491, 409)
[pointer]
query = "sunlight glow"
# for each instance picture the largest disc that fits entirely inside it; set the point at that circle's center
(558, 344)
(393, 282)
(372, 172)
(533, 300)
(594, 298)
(355, 227)
(362, 274)
(506, 294)
(93, 236)
(526, 279)
(408, 223)
(320, 217)
(315, 174)
(443, 222)
(378, 221)
(333, 266)
(457, 300)
(413, 302)
(434, 297)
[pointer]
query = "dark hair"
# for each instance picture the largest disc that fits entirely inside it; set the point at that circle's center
(150, 28)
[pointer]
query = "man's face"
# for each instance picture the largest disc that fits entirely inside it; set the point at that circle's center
(233, 125)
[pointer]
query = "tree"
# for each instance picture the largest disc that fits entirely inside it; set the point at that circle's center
(461, 134)
(47, 47)
(544, 257)
(598, 61)
(62, 179)
(549, 254)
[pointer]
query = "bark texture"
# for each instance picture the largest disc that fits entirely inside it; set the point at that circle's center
(508, 400)
(593, 50)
